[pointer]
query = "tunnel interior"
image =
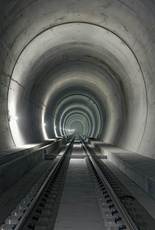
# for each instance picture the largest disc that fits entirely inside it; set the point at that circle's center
(85, 69)
(66, 51)
(77, 77)
(102, 51)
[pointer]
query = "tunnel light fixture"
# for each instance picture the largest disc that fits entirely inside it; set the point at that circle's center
(16, 133)
(13, 118)
(44, 131)
(29, 146)
(43, 126)
(14, 122)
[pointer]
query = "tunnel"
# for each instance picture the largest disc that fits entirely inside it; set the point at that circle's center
(82, 69)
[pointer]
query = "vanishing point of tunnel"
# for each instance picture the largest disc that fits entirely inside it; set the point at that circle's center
(77, 114)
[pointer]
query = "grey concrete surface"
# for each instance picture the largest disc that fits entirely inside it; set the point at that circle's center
(144, 199)
(138, 168)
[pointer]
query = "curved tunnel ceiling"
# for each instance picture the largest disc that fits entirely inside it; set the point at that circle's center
(78, 66)
(75, 56)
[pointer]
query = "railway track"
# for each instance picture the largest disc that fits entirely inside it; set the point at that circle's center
(40, 203)
(40, 208)
(112, 207)
(122, 206)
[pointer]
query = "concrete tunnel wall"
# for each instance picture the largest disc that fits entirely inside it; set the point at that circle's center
(53, 51)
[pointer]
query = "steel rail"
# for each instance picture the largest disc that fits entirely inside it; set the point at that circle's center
(124, 214)
(53, 172)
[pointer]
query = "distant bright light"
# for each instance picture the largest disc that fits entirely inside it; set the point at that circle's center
(70, 131)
